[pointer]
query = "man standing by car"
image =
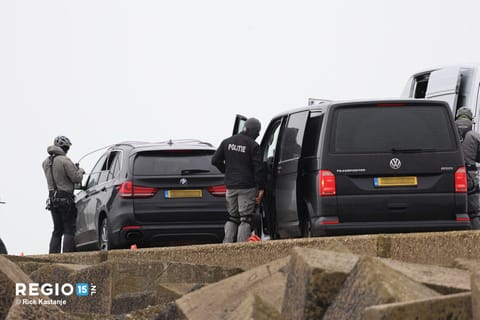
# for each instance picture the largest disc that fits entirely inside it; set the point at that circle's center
(62, 174)
(471, 152)
(239, 158)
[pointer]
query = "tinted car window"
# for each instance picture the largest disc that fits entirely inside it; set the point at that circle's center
(272, 139)
(95, 174)
(312, 133)
(381, 129)
(174, 163)
(292, 136)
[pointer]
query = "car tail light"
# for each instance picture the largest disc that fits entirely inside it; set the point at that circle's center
(218, 191)
(326, 183)
(130, 191)
(461, 180)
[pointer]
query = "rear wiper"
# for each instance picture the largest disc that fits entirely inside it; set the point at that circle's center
(412, 150)
(194, 171)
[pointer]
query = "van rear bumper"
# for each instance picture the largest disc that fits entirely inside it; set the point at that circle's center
(348, 228)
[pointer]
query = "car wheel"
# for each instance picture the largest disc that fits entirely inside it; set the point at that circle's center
(104, 238)
(3, 249)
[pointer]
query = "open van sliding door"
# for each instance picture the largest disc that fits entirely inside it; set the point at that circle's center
(291, 138)
(444, 85)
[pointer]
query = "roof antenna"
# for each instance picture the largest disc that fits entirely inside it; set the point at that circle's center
(170, 142)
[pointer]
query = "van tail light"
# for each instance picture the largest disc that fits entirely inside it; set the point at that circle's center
(326, 183)
(128, 190)
(218, 191)
(461, 180)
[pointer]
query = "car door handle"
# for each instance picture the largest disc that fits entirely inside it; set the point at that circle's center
(103, 189)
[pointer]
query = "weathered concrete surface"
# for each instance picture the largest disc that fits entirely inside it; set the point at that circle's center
(370, 283)
(255, 308)
(233, 255)
(472, 265)
(314, 279)
(434, 248)
(450, 307)
(475, 284)
(441, 279)
(219, 300)
(14, 308)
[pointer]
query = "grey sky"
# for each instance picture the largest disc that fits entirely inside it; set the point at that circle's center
(101, 72)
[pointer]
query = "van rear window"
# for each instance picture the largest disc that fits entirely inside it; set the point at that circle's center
(385, 129)
(159, 163)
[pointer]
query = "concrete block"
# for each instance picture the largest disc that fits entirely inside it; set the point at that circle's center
(314, 279)
(475, 285)
(449, 307)
(370, 283)
(255, 308)
(472, 265)
(219, 300)
(14, 307)
(441, 279)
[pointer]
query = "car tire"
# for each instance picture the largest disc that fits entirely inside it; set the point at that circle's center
(104, 238)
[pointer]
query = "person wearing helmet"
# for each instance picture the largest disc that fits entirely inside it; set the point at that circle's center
(61, 174)
(238, 157)
(471, 152)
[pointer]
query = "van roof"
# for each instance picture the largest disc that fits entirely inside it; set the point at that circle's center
(328, 104)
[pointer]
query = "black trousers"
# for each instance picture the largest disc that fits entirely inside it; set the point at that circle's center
(64, 218)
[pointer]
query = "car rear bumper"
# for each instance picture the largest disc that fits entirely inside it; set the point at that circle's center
(347, 228)
(169, 234)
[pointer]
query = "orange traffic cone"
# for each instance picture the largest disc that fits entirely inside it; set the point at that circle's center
(254, 238)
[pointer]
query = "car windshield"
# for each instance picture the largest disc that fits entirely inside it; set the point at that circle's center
(392, 129)
(181, 162)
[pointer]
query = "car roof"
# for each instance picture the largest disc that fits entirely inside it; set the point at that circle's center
(328, 104)
(181, 144)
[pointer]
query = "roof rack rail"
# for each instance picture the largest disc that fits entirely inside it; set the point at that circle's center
(180, 141)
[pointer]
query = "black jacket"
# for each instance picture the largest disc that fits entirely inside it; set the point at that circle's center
(240, 159)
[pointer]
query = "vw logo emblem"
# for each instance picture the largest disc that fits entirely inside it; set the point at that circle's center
(183, 181)
(395, 163)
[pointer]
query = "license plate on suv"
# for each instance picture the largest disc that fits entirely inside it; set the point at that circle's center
(183, 193)
(406, 181)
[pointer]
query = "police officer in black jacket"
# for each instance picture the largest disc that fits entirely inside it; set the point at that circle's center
(240, 159)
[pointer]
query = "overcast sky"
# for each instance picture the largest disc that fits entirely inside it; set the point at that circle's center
(101, 72)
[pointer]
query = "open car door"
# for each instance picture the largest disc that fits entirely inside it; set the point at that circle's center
(444, 85)
(239, 123)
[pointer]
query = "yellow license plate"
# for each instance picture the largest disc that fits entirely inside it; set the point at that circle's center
(187, 193)
(407, 181)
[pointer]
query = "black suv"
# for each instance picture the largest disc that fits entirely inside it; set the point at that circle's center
(152, 194)
(363, 167)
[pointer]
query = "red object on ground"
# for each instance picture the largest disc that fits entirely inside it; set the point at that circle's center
(254, 238)
(133, 247)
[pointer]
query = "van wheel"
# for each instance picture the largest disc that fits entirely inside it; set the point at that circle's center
(307, 228)
(104, 239)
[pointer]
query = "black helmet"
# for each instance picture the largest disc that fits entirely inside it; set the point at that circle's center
(464, 112)
(252, 127)
(62, 141)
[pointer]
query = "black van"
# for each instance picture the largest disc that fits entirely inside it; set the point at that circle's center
(363, 167)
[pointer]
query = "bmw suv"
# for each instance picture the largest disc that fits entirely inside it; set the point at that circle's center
(151, 194)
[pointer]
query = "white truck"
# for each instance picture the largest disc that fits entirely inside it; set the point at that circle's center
(458, 85)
